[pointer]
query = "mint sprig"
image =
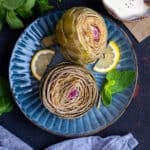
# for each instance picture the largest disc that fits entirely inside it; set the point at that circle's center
(13, 11)
(116, 81)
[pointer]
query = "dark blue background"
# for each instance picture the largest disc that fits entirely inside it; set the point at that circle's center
(135, 120)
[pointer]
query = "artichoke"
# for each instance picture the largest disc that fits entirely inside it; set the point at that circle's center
(82, 34)
(68, 90)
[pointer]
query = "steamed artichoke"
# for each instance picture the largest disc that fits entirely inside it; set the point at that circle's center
(82, 34)
(68, 90)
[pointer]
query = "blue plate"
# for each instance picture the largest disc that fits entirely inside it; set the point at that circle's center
(26, 89)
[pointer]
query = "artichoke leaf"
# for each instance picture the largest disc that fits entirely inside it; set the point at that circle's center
(61, 38)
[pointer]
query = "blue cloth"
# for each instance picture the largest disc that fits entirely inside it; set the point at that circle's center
(9, 141)
(127, 142)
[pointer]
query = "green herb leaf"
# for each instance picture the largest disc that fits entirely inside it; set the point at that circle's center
(12, 4)
(29, 4)
(13, 21)
(11, 9)
(122, 79)
(106, 96)
(116, 81)
(25, 10)
(6, 104)
(43, 5)
(24, 13)
(2, 13)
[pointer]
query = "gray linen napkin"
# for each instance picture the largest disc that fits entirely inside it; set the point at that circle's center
(8, 141)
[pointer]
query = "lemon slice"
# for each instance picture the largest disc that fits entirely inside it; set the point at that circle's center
(40, 61)
(109, 59)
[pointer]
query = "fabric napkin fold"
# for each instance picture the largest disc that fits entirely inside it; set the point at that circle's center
(9, 141)
(127, 142)
(140, 29)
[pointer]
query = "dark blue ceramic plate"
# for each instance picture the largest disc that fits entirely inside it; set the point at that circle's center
(26, 89)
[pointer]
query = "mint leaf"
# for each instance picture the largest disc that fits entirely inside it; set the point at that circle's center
(6, 104)
(43, 5)
(29, 4)
(106, 96)
(116, 81)
(13, 21)
(2, 13)
(25, 10)
(12, 4)
(24, 13)
(122, 79)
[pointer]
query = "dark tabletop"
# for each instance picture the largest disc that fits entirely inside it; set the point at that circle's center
(136, 119)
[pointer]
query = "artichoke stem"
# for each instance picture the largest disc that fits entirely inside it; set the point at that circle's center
(49, 41)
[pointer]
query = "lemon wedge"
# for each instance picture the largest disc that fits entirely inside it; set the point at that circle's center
(109, 59)
(40, 61)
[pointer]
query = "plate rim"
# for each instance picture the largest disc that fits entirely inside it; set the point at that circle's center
(76, 134)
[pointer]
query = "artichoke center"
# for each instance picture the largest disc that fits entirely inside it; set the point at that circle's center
(96, 33)
(73, 93)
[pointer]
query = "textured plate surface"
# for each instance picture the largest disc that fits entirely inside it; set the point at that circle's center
(26, 89)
